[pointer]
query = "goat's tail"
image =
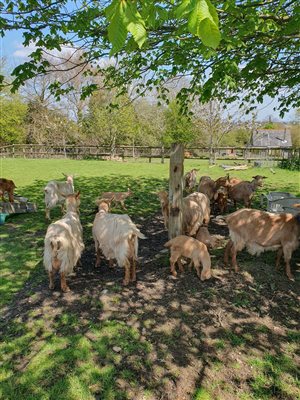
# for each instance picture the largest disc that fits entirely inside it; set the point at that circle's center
(169, 243)
(139, 234)
(53, 254)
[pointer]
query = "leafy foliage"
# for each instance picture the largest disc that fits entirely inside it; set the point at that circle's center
(12, 117)
(292, 163)
(229, 50)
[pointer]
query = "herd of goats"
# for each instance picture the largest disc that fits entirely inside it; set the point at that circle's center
(116, 236)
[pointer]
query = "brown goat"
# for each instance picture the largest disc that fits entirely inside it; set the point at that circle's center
(207, 186)
(194, 211)
(185, 246)
(164, 203)
(117, 197)
(244, 190)
(7, 185)
(260, 231)
(221, 198)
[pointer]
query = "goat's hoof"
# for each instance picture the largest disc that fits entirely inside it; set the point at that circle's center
(291, 278)
(51, 286)
(174, 273)
(65, 289)
(125, 282)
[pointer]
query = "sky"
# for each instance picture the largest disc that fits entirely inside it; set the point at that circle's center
(15, 53)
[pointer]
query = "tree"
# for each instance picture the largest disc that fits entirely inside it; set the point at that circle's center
(212, 123)
(12, 119)
(251, 52)
(110, 125)
(179, 128)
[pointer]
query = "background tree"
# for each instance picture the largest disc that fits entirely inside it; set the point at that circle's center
(12, 119)
(110, 125)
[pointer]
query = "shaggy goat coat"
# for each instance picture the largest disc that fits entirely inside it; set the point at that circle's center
(63, 244)
(54, 191)
(117, 236)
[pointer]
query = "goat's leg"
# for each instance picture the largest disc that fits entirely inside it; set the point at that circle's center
(127, 273)
(227, 252)
(123, 205)
(11, 197)
(287, 258)
(111, 263)
(62, 207)
(98, 254)
(63, 283)
(181, 269)
(47, 213)
(197, 268)
(133, 270)
(51, 279)
(173, 260)
(278, 258)
(233, 252)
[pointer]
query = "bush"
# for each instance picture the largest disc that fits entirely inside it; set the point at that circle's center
(292, 163)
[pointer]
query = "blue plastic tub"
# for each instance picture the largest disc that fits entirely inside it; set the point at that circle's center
(2, 218)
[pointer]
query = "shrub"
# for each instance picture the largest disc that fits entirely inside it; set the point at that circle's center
(292, 163)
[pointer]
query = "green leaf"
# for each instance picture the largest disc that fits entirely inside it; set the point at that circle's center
(183, 8)
(209, 33)
(202, 23)
(134, 23)
(117, 32)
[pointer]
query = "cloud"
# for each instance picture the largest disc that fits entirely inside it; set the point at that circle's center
(22, 51)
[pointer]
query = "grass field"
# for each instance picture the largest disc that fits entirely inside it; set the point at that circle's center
(159, 340)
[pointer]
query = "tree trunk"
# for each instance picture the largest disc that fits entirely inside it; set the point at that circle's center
(175, 190)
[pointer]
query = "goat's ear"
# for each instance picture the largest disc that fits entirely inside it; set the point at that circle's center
(77, 195)
(216, 195)
(264, 177)
(65, 175)
(62, 195)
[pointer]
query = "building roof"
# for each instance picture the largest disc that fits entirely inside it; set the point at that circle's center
(272, 138)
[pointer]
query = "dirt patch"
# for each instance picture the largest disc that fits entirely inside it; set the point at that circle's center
(203, 335)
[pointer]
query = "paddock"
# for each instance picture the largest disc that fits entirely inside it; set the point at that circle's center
(232, 337)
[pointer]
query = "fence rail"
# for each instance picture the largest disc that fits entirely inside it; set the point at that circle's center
(149, 152)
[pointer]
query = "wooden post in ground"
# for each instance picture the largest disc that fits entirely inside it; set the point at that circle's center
(175, 190)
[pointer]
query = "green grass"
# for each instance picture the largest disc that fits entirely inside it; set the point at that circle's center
(275, 377)
(68, 356)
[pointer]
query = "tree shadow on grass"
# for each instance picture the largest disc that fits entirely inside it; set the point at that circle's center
(162, 338)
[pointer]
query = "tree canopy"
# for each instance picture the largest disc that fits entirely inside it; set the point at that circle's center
(228, 50)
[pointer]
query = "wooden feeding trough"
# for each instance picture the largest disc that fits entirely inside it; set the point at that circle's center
(19, 206)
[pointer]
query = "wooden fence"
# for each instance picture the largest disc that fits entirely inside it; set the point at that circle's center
(122, 152)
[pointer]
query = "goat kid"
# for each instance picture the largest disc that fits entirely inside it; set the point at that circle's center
(7, 186)
(117, 197)
(64, 243)
(185, 246)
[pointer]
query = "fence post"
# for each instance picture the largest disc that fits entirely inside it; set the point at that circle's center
(162, 154)
(150, 156)
(13, 151)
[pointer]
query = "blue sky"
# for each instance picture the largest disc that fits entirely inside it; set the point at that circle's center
(12, 49)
